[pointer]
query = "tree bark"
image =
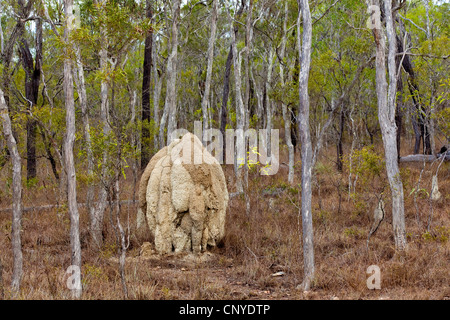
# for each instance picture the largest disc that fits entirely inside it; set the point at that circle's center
(146, 80)
(240, 112)
(68, 152)
(340, 150)
(16, 197)
(81, 87)
(306, 147)
(285, 109)
(386, 115)
(226, 91)
(268, 100)
(32, 80)
(156, 91)
(226, 80)
(172, 61)
(212, 38)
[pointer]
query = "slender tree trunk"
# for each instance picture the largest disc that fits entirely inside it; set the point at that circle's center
(68, 152)
(399, 111)
(269, 101)
(97, 216)
(306, 147)
(422, 132)
(285, 109)
(226, 91)
(146, 79)
(2, 39)
(340, 150)
(156, 91)
(82, 96)
(226, 80)
(212, 38)
(386, 114)
(431, 82)
(172, 61)
(240, 112)
(32, 80)
(16, 197)
(248, 50)
(134, 165)
(8, 51)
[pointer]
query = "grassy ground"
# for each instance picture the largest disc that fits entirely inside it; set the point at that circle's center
(256, 246)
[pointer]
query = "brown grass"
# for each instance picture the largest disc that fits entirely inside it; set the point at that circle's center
(266, 241)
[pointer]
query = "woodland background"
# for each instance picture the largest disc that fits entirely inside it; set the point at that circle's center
(139, 69)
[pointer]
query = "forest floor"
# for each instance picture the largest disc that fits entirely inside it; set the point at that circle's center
(256, 247)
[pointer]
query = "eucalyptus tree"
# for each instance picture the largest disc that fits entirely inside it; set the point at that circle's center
(386, 94)
(305, 42)
(16, 226)
(75, 245)
(146, 79)
(170, 106)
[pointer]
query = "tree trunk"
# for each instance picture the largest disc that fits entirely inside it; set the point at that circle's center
(340, 150)
(146, 79)
(432, 109)
(285, 109)
(32, 79)
(16, 197)
(97, 215)
(7, 53)
(172, 61)
(82, 96)
(386, 115)
(398, 111)
(269, 107)
(306, 147)
(226, 91)
(240, 112)
(68, 152)
(226, 80)
(156, 91)
(212, 37)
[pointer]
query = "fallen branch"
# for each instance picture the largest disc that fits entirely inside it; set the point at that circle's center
(418, 158)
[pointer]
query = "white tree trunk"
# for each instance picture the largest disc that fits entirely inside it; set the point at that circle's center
(16, 196)
(212, 38)
(156, 89)
(240, 112)
(286, 111)
(306, 145)
(269, 103)
(386, 114)
(97, 216)
(172, 61)
(81, 87)
(68, 152)
(432, 109)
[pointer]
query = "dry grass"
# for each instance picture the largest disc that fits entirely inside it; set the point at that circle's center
(266, 241)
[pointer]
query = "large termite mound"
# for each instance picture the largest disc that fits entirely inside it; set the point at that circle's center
(183, 198)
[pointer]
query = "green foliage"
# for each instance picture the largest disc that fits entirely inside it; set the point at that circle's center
(366, 166)
(366, 163)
